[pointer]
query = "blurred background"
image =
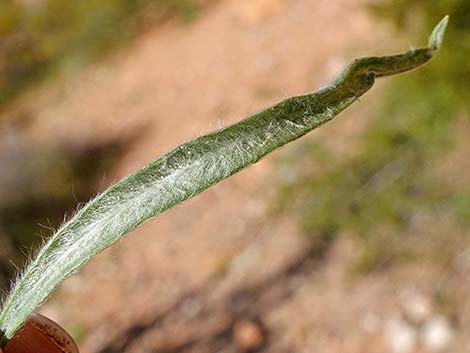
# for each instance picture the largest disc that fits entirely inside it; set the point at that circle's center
(355, 238)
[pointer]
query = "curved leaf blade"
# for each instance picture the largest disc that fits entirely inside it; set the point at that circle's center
(189, 169)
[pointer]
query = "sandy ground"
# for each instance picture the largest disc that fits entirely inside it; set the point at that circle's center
(218, 274)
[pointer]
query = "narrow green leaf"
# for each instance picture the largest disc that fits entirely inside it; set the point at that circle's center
(189, 169)
(437, 35)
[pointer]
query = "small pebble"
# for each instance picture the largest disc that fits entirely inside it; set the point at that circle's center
(416, 306)
(248, 335)
(437, 334)
(400, 336)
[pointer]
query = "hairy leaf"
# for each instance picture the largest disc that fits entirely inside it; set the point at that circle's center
(189, 169)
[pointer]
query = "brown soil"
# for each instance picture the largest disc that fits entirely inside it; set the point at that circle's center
(188, 280)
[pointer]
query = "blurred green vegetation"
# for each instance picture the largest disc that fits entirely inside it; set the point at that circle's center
(378, 195)
(40, 37)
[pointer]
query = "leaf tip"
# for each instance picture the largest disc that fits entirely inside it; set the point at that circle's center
(437, 35)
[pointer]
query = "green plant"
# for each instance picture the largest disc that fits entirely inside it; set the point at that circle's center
(42, 39)
(189, 169)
